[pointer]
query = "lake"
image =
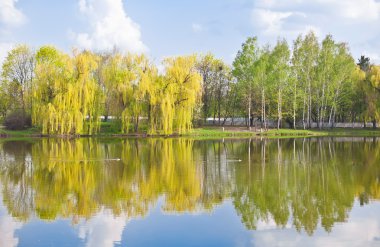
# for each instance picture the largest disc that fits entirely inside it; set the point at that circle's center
(185, 192)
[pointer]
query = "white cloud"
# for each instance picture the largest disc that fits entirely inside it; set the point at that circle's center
(273, 24)
(9, 14)
(197, 28)
(5, 47)
(361, 10)
(110, 27)
(10, 17)
(269, 21)
(353, 21)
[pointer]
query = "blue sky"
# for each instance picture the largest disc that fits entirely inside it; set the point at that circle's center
(168, 27)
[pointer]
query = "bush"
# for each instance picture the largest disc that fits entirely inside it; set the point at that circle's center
(17, 120)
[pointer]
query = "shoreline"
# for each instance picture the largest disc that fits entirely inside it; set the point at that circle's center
(210, 132)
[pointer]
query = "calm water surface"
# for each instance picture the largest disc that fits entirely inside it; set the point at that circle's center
(181, 192)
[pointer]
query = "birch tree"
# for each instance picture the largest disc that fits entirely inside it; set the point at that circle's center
(304, 60)
(280, 73)
(243, 70)
(17, 78)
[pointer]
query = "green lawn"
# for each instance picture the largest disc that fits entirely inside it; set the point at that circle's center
(324, 132)
(108, 129)
(243, 132)
(20, 133)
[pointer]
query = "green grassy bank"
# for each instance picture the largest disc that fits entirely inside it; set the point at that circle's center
(220, 132)
(243, 132)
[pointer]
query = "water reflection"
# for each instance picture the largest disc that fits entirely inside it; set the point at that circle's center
(96, 183)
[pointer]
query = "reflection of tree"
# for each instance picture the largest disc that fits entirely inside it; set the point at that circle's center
(305, 182)
(74, 178)
(314, 180)
(216, 170)
(16, 171)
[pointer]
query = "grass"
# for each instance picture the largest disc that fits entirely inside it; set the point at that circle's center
(219, 132)
(111, 130)
(348, 132)
(20, 133)
(208, 132)
(283, 133)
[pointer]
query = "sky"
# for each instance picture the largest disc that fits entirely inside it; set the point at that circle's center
(172, 27)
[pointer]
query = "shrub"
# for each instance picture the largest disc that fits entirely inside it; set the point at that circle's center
(17, 120)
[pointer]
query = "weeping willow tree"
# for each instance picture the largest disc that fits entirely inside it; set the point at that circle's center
(52, 76)
(375, 76)
(127, 79)
(174, 96)
(66, 95)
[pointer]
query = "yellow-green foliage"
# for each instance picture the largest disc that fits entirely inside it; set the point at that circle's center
(136, 90)
(66, 96)
(375, 76)
(16, 77)
(70, 92)
(174, 96)
(358, 74)
(128, 79)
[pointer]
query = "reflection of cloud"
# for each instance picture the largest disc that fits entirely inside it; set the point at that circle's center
(361, 229)
(103, 229)
(269, 224)
(8, 226)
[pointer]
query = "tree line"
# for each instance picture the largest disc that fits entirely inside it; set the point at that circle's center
(68, 94)
(309, 83)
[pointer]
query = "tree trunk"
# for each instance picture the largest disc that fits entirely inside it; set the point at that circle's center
(295, 106)
(219, 106)
(318, 112)
(263, 119)
(149, 112)
(279, 110)
(303, 112)
(137, 124)
(322, 108)
(23, 103)
(262, 108)
(333, 107)
(205, 110)
(333, 118)
(249, 111)
(309, 107)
